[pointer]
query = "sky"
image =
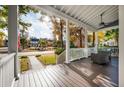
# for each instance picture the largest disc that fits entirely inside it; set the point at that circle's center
(38, 29)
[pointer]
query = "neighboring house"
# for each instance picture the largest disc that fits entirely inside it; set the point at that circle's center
(34, 42)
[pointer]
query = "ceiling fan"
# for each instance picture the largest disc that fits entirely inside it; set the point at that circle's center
(102, 23)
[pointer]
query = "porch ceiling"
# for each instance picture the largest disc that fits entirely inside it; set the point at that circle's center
(85, 15)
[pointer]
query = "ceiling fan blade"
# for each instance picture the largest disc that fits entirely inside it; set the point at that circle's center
(110, 24)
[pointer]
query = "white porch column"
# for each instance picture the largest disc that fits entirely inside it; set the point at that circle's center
(86, 43)
(13, 35)
(96, 42)
(67, 42)
(121, 46)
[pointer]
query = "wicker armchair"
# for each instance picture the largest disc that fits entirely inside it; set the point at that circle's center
(102, 57)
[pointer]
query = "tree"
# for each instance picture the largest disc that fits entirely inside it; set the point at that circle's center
(62, 23)
(57, 44)
(112, 34)
(43, 43)
(76, 34)
(23, 10)
(24, 42)
(58, 27)
(116, 34)
(4, 16)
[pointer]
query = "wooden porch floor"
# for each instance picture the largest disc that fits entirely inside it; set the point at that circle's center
(80, 73)
(51, 76)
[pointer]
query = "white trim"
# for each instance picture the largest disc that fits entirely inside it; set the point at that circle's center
(121, 46)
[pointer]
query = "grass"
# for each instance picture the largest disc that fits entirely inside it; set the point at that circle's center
(24, 62)
(47, 59)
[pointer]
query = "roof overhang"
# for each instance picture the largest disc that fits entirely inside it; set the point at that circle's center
(52, 11)
(86, 16)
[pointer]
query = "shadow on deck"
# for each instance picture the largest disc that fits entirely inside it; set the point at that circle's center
(100, 75)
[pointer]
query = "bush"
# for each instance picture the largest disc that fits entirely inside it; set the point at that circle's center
(57, 44)
(59, 50)
(72, 45)
(38, 55)
(24, 57)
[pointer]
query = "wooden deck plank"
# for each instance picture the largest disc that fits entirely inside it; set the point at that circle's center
(26, 80)
(64, 74)
(51, 78)
(20, 82)
(50, 84)
(31, 79)
(42, 80)
(36, 79)
(64, 80)
(61, 84)
(77, 77)
(60, 78)
(72, 78)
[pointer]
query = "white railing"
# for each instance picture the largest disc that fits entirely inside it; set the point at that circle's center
(7, 70)
(77, 53)
(91, 50)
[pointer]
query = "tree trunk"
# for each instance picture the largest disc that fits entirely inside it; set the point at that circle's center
(80, 38)
(93, 39)
(61, 29)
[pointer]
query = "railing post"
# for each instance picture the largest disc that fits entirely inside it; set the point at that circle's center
(13, 35)
(121, 46)
(67, 42)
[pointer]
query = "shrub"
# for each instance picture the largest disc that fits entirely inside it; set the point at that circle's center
(59, 50)
(24, 57)
(38, 55)
(57, 44)
(72, 45)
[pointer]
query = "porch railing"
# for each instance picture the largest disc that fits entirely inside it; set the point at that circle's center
(7, 70)
(75, 53)
(91, 50)
(113, 50)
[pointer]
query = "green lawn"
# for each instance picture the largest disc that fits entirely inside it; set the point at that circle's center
(47, 59)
